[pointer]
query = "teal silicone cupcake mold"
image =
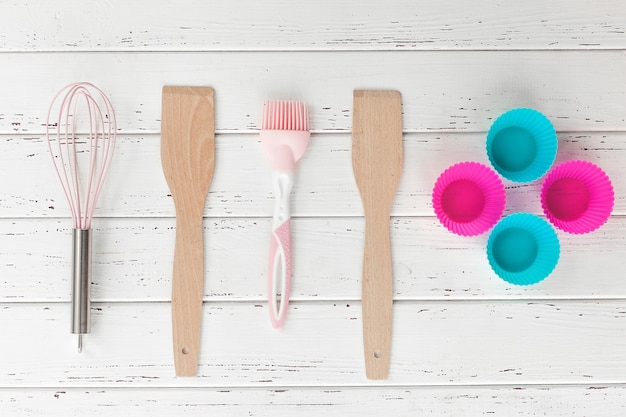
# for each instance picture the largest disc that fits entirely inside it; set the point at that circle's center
(523, 249)
(522, 145)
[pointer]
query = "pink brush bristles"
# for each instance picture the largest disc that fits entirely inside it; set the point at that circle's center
(285, 115)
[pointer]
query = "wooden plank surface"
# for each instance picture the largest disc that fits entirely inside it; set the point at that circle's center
(555, 401)
(442, 90)
(321, 25)
(467, 343)
(242, 186)
(132, 261)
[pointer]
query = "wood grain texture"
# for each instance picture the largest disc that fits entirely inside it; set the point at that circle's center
(435, 344)
(552, 400)
(188, 158)
(325, 186)
(377, 165)
(443, 91)
(132, 262)
(396, 25)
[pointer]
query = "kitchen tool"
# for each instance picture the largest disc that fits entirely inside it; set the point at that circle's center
(469, 198)
(523, 249)
(577, 196)
(522, 144)
(377, 166)
(284, 138)
(188, 158)
(81, 151)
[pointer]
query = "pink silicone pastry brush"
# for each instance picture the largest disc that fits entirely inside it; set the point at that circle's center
(284, 137)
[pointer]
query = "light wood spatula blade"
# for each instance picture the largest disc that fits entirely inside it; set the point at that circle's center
(377, 166)
(188, 138)
(188, 158)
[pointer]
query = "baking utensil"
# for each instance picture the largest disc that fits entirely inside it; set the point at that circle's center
(523, 249)
(377, 166)
(188, 159)
(284, 138)
(469, 198)
(522, 144)
(81, 150)
(577, 196)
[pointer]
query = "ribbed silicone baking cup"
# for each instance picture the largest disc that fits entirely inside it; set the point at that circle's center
(577, 197)
(469, 198)
(522, 145)
(523, 249)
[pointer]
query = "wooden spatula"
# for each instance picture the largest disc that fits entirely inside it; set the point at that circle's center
(188, 158)
(377, 165)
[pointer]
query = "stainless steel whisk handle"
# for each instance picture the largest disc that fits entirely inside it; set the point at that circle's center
(81, 283)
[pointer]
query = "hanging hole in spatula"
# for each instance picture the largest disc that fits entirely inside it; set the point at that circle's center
(377, 354)
(185, 350)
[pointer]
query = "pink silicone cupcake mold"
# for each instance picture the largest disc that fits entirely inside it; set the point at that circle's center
(577, 197)
(469, 198)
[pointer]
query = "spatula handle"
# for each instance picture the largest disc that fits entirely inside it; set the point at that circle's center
(377, 297)
(187, 292)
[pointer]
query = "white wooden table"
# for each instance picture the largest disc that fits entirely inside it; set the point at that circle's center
(465, 343)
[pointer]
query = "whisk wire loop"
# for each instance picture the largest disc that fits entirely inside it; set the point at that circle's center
(67, 147)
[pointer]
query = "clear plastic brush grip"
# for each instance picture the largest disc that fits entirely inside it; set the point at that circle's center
(81, 280)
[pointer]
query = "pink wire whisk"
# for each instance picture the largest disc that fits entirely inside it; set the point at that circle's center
(81, 160)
